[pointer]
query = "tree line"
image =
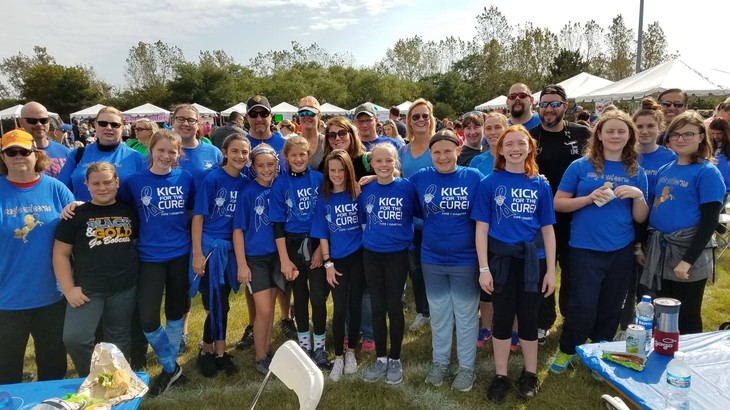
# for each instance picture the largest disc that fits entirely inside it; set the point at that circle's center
(453, 73)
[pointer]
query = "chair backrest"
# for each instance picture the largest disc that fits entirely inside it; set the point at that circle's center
(298, 372)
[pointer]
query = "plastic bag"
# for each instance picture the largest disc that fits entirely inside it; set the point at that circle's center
(107, 358)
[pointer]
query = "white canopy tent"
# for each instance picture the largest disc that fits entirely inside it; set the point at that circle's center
(240, 108)
(283, 108)
(381, 112)
(204, 111)
(331, 109)
(580, 84)
(147, 110)
(672, 74)
(90, 112)
(404, 106)
(14, 112)
(493, 104)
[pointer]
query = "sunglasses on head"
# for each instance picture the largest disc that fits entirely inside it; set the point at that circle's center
(553, 104)
(676, 104)
(333, 135)
(13, 152)
(306, 113)
(256, 114)
(34, 121)
(515, 96)
(104, 124)
(416, 117)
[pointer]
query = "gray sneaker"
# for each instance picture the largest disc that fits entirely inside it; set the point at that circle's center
(395, 372)
(437, 374)
(464, 380)
(375, 371)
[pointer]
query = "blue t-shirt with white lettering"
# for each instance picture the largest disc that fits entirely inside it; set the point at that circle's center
(252, 216)
(57, 155)
(200, 160)
(724, 168)
(679, 192)
(515, 206)
(337, 219)
(216, 200)
(446, 202)
(610, 227)
(388, 211)
(652, 161)
(484, 162)
(293, 200)
(379, 140)
(161, 202)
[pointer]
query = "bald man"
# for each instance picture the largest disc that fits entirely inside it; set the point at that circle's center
(34, 119)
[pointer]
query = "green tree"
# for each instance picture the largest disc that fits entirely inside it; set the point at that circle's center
(620, 50)
(567, 64)
(61, 89)
(592, 47)
(492, 25)
(654, 47)
(210, 82)
(532, 53)
(151, 66)
(16, 67)
(406, 59)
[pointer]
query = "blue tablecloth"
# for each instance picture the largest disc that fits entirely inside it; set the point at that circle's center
(708, 354)
(34, 393)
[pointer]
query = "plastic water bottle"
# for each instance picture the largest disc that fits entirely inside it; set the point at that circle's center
(644, 316)
(679, 382)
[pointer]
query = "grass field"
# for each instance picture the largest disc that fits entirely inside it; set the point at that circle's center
(575, 389)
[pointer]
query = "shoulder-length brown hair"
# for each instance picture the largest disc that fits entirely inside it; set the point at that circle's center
(356, 149)
(530, 162)
(350, 183)
(704, 150)
(630, 153)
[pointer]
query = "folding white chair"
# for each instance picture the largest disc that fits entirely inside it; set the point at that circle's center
(298, 372)
(614, 403)
(723, 238)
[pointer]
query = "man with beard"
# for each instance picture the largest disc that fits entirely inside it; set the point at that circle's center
(559, 143)
(519, 102)
(258, 113)
(34, 119)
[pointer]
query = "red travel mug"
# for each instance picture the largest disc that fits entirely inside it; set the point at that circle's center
(666, 329)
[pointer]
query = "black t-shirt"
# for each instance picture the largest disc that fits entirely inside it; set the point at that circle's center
(402, 131)
(467, 153)
(557, 150)
(104, 252)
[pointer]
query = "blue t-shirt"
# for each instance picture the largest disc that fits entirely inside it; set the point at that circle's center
(337, 219)
(378, 140)
(409, 164)
(276, 141)
(388, 212)
(126, 160)
(610, 227)
(293, 200)
(57, 155)
(252, 216)
(514, 206)
(200, 160)
(679, 192)
(724, 168)
(653, 161)
(446, 203)
(28, 220)
(216, 200)
(532, 123)
(484, 162)
(161, 202)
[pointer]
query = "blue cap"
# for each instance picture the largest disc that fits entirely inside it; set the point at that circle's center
(646, 298)
(66, 127)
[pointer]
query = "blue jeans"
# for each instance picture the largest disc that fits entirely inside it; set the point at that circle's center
(453, 299)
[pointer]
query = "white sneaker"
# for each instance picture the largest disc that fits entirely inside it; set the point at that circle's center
(337, 368)
(350, 363)
(419, 322)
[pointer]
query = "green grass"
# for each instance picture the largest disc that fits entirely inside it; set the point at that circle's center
(575, 389)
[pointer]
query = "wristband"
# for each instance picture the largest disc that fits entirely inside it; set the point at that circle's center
(638, 252)
(485, 269)
(328, 265)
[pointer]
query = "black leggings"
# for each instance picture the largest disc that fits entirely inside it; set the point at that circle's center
(309, 287)
(513, 300)
(225, 291)
(385, 274)
(690, 294)
(347, 295)
(169, 278)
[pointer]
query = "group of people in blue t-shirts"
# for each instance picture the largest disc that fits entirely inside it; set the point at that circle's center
(257, 218)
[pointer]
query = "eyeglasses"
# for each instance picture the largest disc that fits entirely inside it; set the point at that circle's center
(190, 121)
(553, 104)
(306, 113)
(416, 117)
(333, 135)
(34, 121)
(104, 124)
(686, 136)
(676, 104)
(515, 96)
(256, 114)
(13, 152)
(139, 129)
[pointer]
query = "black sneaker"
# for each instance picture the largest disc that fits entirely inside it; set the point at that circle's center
(320, 358)
(164, 381)
(246, 339)
(498, 389)
(207, 364)
(226, 364)
(527, 384)
(289, 328)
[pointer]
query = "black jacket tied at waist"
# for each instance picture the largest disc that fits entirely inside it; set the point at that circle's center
(501, 258)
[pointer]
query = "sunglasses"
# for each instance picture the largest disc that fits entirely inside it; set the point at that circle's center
(256, 114)
(333, 135)
(515, 96)
(416, 117)
(104, 124)
(553, 104)
(138, 129)
(667, 104)
(15, 152)
(306, 113)
(34, 121)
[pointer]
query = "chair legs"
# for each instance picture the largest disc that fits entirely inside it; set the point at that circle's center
(261, 389)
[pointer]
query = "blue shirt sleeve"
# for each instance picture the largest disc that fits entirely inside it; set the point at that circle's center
(571, 177)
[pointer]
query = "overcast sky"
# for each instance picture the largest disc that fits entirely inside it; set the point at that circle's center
(100, 33)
